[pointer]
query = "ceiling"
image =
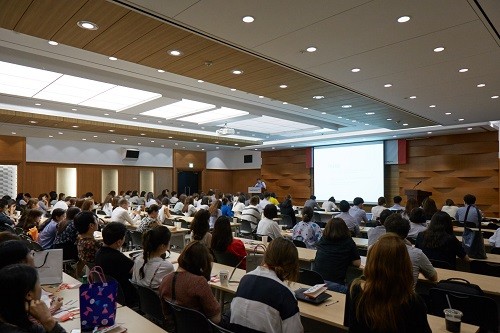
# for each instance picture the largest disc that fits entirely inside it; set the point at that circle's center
(271, 52)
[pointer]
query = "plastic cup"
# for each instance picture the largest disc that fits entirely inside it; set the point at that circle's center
(224, 277)
(235, 220)
(178, 225)
(453, 318)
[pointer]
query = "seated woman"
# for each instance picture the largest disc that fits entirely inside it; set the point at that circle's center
(67, 235)
(215, 212)
(307, 231)
(439, 242)
(48, 229)
(151, 220)
(29, 222)
(263, 293)
(86, 224)
(223, 241)
(384, 300)
(15, 252)
(188, 286)
(164, 212)
(21, 292)
(286, 208)
(150, 268)
(43, 202)
(150, 199)
(200, 227)
(239, 205)
(88, 205)
(336, 251)
(107, 205)
(429, 207)
(411, 203)
(179, 205)
(226, 207)
(267, 226)
(189, 209)
(417, 222)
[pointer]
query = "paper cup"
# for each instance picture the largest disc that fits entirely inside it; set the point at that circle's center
(178, 225)
(235, 220)
(453, 319)
(264, 240)
(224, 278)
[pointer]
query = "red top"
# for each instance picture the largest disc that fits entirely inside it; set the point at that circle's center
(238, 249)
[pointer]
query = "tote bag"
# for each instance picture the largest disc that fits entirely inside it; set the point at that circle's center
(49, 264)
(473, 241)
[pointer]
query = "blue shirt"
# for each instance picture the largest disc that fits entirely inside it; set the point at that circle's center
(48, 234)
(226, 211)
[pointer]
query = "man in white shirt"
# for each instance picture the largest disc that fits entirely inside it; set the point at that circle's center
(376, 210)
(450, 208)
(121, 214)
(329, 206)
(63, 204)
(267, 226)
(264, 202)
(174, 198)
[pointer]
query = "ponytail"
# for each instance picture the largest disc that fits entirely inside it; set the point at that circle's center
(151, 240)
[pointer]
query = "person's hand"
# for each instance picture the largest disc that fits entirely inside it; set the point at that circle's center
(41, 312)
(56, 304)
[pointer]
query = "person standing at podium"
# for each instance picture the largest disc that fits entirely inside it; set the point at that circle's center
(260, 184)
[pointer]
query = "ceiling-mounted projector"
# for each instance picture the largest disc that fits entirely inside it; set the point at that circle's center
(225, 130)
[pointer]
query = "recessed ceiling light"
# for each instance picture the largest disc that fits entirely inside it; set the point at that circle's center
(306, 108)
(74, 109)
(51, 136)
(143, 134)
(87, 25)
(311, 49)
(469, 128)
(163, 146)
(75, 126)
(404, 19)
(159, 121)
(346, 106)
(413, 97)
(405, 124)
(111, 130)
(481, 85)
(439, 49)
(354, 121)
(285, 103)
(389, 119)
(84, 139)
(323, 112)
(255, 149)
(216, 147)
(13, 133)
(183, 147)
(447, 113)
(339, 117)
(125, 139)
(202, 148)
(355, 70)
(161, 71)
(273, 148)
(95, 136)
(106, 114)
(463, 70)
(235, 144)
(134, 118)
(200, 81)
(38, 104)
(248, 19)
(318, 97)
(432, 106)
(175, 53)
(139, 143)
(237, 71)
(53, 42)
(369, 113)
(261, 96)
(216, 141)
(283, 86)
(170, 137)
(197, 146)
(152, 141)
(429, 132)
(33, 121)
(292, 146)
(233, 89)
(60, 133)
(461, 119)
(367, 124)
(195, 139)
(113, 58)
(112, 141)
(387, 85)
(494, 97)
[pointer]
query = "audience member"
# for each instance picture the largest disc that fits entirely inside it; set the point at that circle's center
(329, 205)
(15, 252)
(273, 200)
(150, 268)
(429, 207)
(495, 238)
(179, 205)
(377, 210)
(336, 251)
(450, 208)
(8, 235)
(411, 204)
(88, 205)
(43, 202)
(189, 209)
(264, 202)
(349, 220)
(473, 213)
(240, 205)
(86, 225)
(311, 202)
(29, 222)
(67, 235)
(226, 208)
(173, 198)
(188, 286)
(418, 223)
(375, 233)
(251, 213)
(397, 203)
(267, 226)
(420, 263)
(384, 299)
(150, 200)
(307, 231)
(49, 228)
(357, 211)
(121, 214)
(164, 212)
(107, 205)
(286, 208)
(200, 227)
(263, 293)
(6, 224)
(114, 263)
(215, 212)
(439, 243)
(223, 241)
(150, 221)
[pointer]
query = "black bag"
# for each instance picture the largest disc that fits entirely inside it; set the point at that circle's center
(461, 286)
(473, 241)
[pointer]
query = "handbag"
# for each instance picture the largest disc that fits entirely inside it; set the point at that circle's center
(97, 301)
(461, 286)
(254, 259)
(49, 264)
(473, 241)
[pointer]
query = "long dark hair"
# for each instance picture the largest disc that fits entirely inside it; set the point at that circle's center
(222, 235)
(214, 208)
(28, 219)
(151, 240)
(439, 228)
(196, 259)
(15, 283)
(200, 225)
(336, 229)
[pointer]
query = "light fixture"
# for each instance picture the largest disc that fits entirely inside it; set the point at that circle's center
(111, 130)
(112, 141)
(195, 139)
(52, 42)
(389, 119)
(318, 97)
(125, 139)
(84, 139)
(87, 25)
(481, 85)
(139, 143)
(159, 121)
(152, 141)
(113, 58)
(469, 128)
(405, 124)
(74, 109)
(461, 119)
(429, 132)
(346, 106)
(311, 49)
(339, 117)
(106, 114)
(248, 19)
(233, 89)
(413, 97)
(387, 85)
(33, 121)
(306, 108)
(447, 113)
(216, 147)
(51, 136)
(367, 124)
(394, 136)
(174, 53)
(60, 133)
(261, 96)
(203, 149)
(163, 146)
(75, 126)
(13, 133)
(323, 112)
(355, 70)
(463, 70)
(353, 121)
(283, 86)
(285, 103)
(439, 49)
(134, 118)
(494, 97)
(237, 71)
(170, 137)
(369, 113)
(143, 134)
(432, 106)
(404, 19)
(38, 104)
(95, 136)
(161, 71)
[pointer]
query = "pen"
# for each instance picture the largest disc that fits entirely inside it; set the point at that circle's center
(334, 302)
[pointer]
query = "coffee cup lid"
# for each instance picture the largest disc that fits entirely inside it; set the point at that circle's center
(453, 312)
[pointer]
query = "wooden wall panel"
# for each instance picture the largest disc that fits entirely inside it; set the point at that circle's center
(128, 178)
(285, 172)
(163, 179)
(40, 178)
(12, 149)
(391, 182)
(453, 165)
(218, 180)
(89, 179)
(242, 179)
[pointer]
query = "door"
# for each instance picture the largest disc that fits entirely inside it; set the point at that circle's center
(187, 182)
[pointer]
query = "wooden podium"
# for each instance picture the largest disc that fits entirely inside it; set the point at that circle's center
(419, 195)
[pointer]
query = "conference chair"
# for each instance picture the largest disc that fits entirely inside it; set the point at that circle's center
(187, 320)
(477, 310)
(309, 277)
(246, 229)
(485, 268)
(150, 304)
(225, 258)
(136, 238)
(299, 243)
(217, 329)
(470, 225)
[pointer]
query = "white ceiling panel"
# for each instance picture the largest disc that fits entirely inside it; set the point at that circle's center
(166, 8)
(269, 125)
(215, 115)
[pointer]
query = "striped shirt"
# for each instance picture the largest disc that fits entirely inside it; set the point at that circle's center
(251, 214)
(263, 303)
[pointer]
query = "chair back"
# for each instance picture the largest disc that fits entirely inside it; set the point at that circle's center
(246, 228)
(309, 277)
(217, 329)
(286, 220)
(492, 226)
(188, 320)
(226, 258)
(485, 268)
(136, 237)
(150, 304)
(299, 243)
(470, 224)
(440, 264)
(478, 310)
